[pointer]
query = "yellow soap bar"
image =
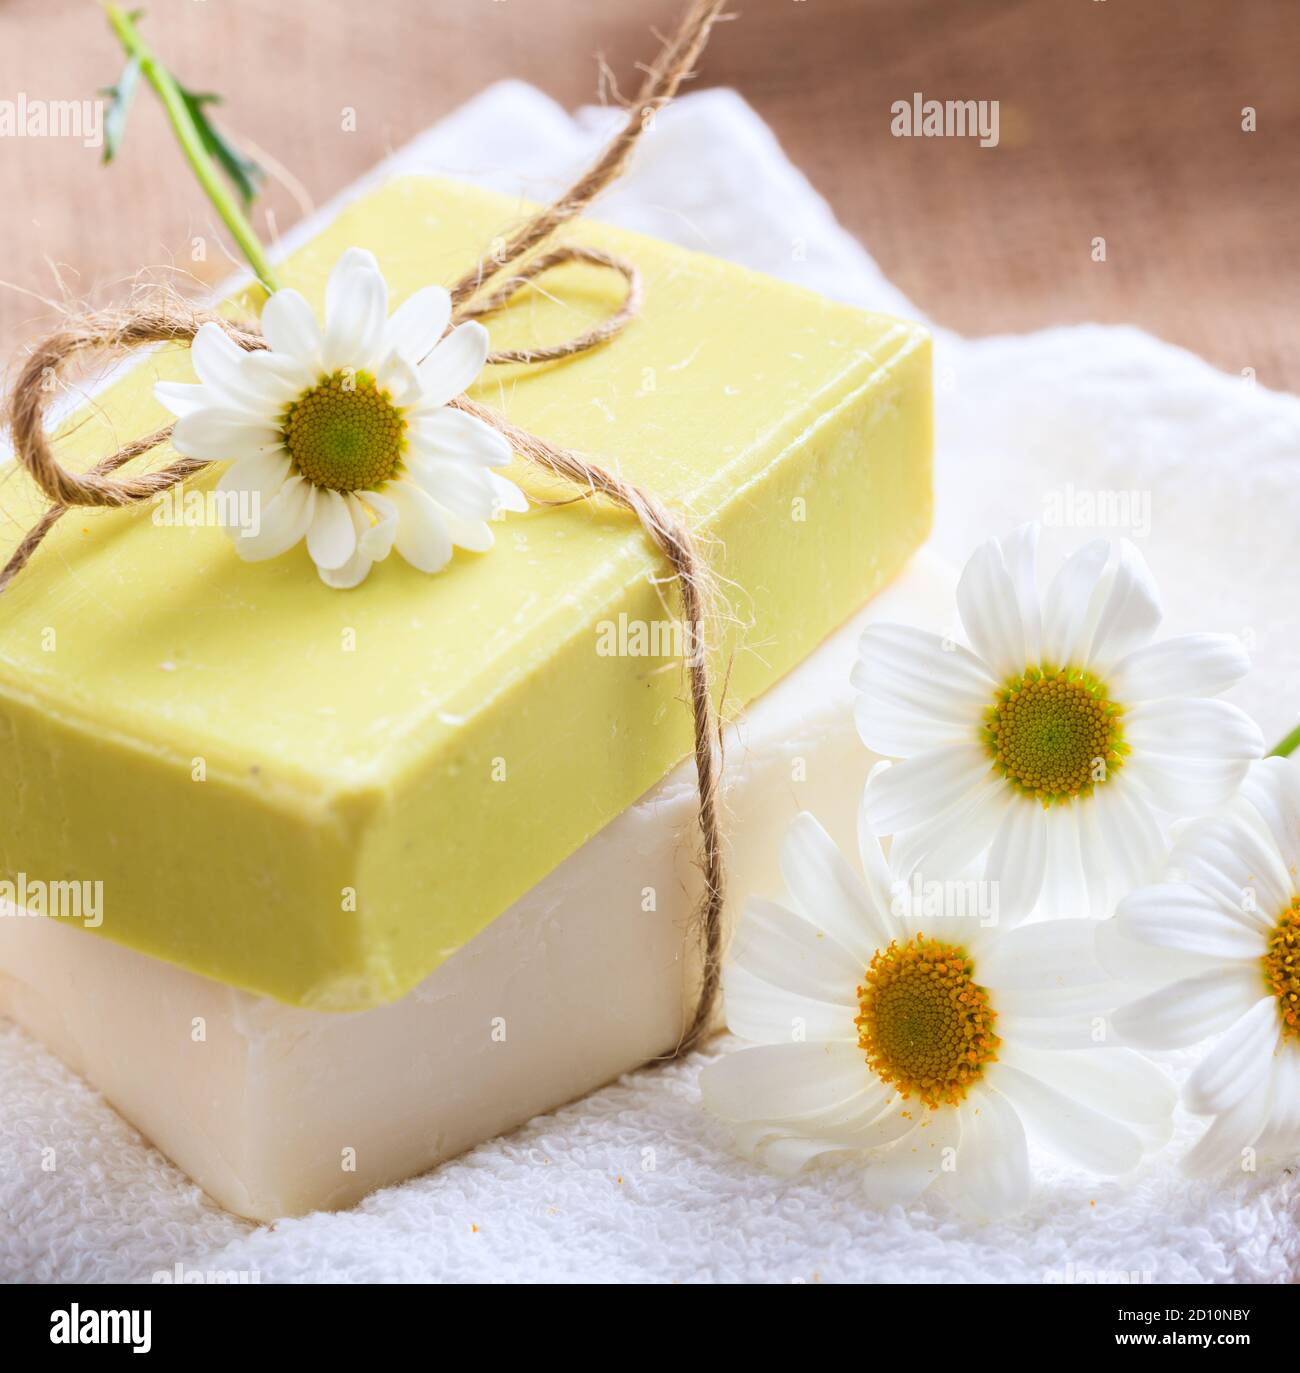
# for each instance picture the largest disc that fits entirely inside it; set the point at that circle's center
(320, 795)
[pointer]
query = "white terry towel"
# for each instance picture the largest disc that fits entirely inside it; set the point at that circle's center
(635, 1183)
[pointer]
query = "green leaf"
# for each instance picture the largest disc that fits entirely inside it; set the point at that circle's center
(245, 175)
(120, 97)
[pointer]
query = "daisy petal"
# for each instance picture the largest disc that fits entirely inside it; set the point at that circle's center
(1185, 1012)
(1067, 1127)
(1119, 1082)
(1056, 1032)
(419, 322)
(1238, 863)
(454, 364)
(990, 612)
(1067, 888)
(275, 378)
(1272, 786)
(265, 385)
(915, 695)
(878, 879)
(291, 328)
(422, 537)
(867, 1119)
(1126, 609)
(788, 1155)
(1130, 832)
(182, 397)
(450, 433)
(1017, 861)
(357, 257)
(260, 479)
(217, 359)
(1048, 956)
(1239, 1064)
(463, 488)
(899, 1176)
(1146, 965)
(782, 1082)
(942, 678)
(1189, 665)
(375, 540)
(1225, 1144)
(506, 496)
(399, 377)
(357, 568)
(787, 951)
(1201, 731)
(1093, 997)
(830, 894)
(1065, 605)
(1182, 786)
(215, 435)
(1284, 1118)
(889, 1124)
(351, 574)
(927, 785)
(264, 473)
(899, 731)
(954, 836)
(992, 1175)
(1020, 552)
(337, 287)
(473, 535)
(767, 1014)
(332, 538)
(1178, 915)
(355, 318)
(285, 520)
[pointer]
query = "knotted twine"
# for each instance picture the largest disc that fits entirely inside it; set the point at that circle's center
(116, 332)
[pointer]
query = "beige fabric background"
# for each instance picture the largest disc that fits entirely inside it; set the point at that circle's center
(1118, 119)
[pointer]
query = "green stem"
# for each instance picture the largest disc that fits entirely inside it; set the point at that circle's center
(204, 168)
(1283, 747)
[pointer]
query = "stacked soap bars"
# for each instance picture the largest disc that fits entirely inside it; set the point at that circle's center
(320, 812)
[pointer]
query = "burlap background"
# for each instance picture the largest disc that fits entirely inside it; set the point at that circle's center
(1118, 119)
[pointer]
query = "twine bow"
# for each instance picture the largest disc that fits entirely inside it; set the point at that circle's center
(116, 332)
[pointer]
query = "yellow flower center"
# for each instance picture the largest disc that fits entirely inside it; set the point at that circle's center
(1282, 967)
(345, 433)
(1054, 734)
(926, 1025)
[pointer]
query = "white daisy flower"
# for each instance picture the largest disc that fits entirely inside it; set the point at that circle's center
(1220, 941)
(923, 1046)
(343, 435)
(1062, 740)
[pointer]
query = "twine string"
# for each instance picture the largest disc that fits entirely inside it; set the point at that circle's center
(599, 333)
(674, 64)
(673, 538)
(117, 332)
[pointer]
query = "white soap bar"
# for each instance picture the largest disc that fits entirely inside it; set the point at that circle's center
(276, 1111)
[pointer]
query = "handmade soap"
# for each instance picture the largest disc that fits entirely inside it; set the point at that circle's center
(321, 795)
(276, 1110)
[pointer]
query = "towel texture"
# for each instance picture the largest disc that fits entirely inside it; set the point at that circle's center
(635, 1183)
